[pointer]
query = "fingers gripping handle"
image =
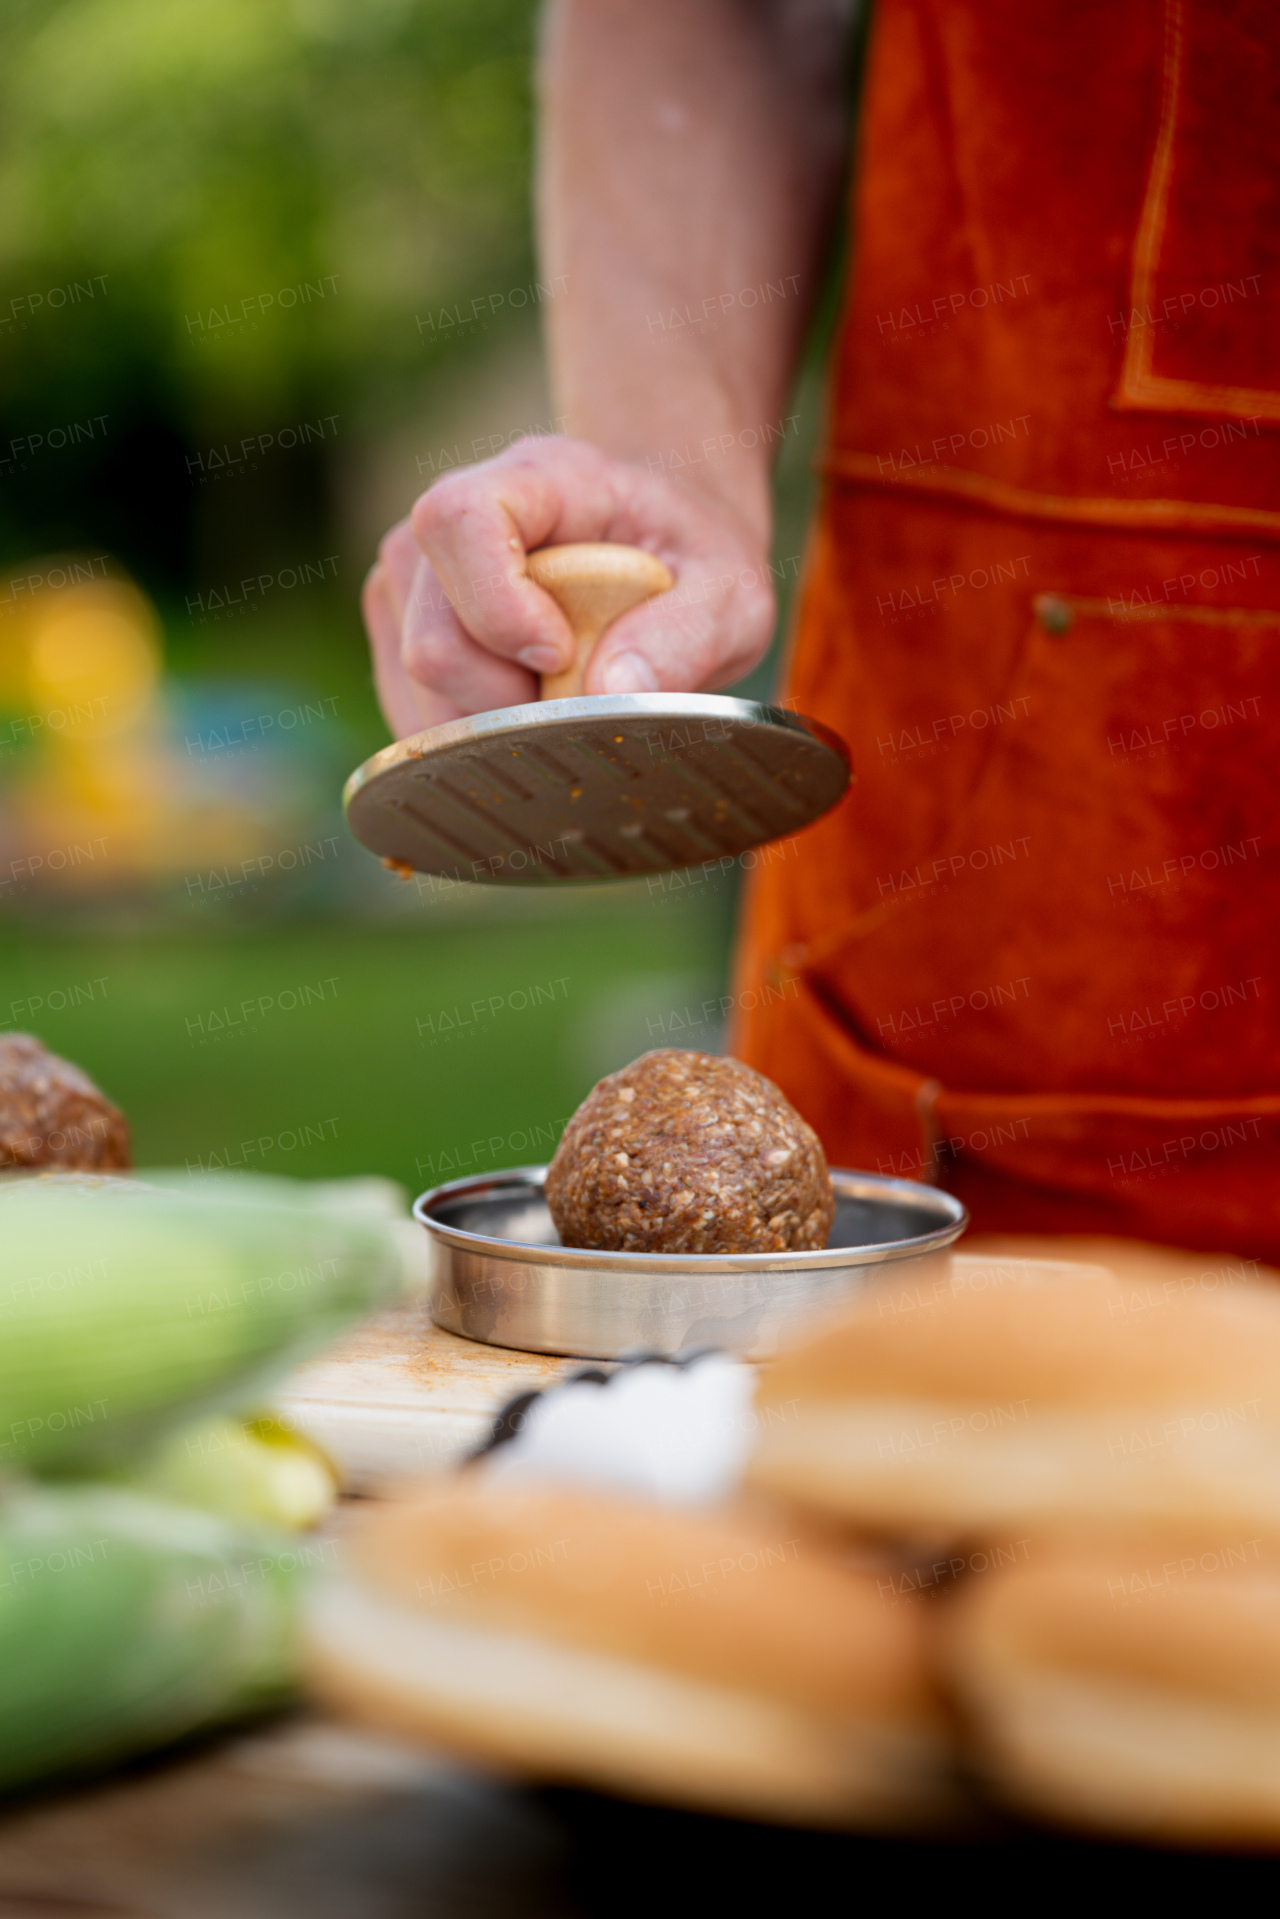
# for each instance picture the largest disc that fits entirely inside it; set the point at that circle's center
(593, 585)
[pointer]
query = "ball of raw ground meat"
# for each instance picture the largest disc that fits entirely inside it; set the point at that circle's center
(689, 1153)
(52, 1114)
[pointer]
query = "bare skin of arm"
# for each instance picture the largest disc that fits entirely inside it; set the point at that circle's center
(691, 155)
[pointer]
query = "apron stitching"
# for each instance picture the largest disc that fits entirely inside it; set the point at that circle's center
(1001, 496)
(932, 1134)
(1082, 1107)
(1139, 389)
(1136, 367)
(1197, 615)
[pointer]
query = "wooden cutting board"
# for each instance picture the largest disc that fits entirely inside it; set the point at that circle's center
(399, 1395)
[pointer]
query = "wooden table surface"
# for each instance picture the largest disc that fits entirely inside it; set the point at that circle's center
(299, 1818)
(399, 1395)
(302, 1818)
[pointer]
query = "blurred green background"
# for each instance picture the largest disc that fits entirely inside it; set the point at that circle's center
(265, 269)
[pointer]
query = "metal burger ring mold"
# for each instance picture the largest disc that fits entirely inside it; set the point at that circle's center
(501, 1276)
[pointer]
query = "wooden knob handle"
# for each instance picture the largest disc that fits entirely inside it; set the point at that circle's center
(593, 585)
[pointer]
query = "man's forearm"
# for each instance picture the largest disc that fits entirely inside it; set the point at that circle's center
(691, 159)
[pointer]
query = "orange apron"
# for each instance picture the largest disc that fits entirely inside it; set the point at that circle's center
(1034, 954)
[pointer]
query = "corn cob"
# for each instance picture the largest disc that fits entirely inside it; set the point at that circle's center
(249, 1469)
(124, 1306)
(127, 1622)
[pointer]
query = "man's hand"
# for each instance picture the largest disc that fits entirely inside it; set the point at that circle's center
(457, 627)
(690, 161)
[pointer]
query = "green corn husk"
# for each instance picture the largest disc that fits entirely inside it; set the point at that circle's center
(127, 1622)
(371, 1197)
(124, 1306)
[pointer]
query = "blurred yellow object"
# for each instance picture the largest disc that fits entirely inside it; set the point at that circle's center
(99, 792)
(81, 663)
(255, 1469)
(94, 657)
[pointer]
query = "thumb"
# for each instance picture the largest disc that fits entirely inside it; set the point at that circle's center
(709, 630)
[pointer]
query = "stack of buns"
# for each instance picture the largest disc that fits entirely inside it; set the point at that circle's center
(1018, 1393)
(1012, 1517)
(1128, 1683)
(727, 1661)
(1097, 1427)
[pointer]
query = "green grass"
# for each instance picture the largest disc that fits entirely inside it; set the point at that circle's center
(421, 1052)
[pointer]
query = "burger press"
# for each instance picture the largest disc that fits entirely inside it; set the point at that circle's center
(594, 787)
(501, 1275)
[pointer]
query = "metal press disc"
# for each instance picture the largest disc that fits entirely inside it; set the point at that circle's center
(594, 788)
(501, 1275)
